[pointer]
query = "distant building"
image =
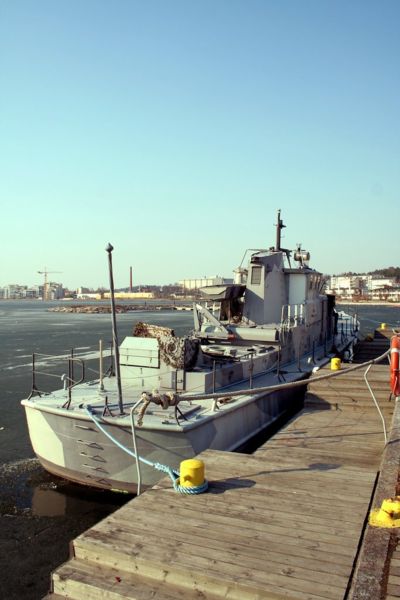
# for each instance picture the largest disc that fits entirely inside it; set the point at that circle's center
(55, 291)
(346, 286)
(195, 284)
(88, 295)
(130, 295)
(32, 292)
(363, 287)
(14, 291)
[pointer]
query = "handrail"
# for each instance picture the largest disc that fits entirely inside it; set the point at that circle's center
(280, 386)
(79, 360)
(71, 382)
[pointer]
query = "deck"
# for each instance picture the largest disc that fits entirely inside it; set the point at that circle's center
(288, 521)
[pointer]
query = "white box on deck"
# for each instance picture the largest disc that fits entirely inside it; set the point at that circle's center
(139, 352)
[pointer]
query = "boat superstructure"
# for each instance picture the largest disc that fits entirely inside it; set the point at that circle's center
(268, 329)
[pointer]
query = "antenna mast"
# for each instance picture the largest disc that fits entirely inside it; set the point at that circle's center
(279, 226)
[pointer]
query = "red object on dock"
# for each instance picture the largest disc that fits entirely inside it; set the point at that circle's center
(394, 364)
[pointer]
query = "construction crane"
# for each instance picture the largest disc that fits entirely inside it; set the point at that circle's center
(46, 285)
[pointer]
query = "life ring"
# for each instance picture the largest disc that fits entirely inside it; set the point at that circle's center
(394, 365)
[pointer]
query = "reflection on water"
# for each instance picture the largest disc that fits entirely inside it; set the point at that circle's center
(68, 499)
(26, 488)
(48, 503)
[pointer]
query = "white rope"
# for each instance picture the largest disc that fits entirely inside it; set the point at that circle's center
(376, 404)
(138, 470)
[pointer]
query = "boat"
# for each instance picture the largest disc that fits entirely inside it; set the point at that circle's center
(168, 398)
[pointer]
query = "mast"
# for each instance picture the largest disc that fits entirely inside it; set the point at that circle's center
(109, 249)
(279, 226)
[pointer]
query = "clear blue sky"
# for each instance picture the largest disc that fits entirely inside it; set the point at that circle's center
(176, 129)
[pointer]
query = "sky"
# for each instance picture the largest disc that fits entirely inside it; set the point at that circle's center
(175, 130)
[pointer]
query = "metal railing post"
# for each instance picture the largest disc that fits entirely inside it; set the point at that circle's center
(278, 367)
(34, 389)
(72, 366)
(69, 381)
(213, 377)
(101, 374)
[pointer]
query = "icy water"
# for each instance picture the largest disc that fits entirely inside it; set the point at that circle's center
(28, 326)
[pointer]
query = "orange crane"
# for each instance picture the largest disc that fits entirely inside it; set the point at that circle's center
(46, 285)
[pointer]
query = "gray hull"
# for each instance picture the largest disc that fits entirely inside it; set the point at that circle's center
(74, 448)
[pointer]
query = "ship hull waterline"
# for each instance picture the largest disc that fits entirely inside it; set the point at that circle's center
(72, 447)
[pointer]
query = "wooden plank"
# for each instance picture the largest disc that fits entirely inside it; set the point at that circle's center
(253, 524)
(209, 573)
(393, 590)
(309, 456)
(269, 472)
(204, 535)
(253, 562)
(233, 466)
(251, 510)
(237, 516)
(322, 419)
(333, 425)
(277, 461)
(82, 579)
(282, 553)
(303, 484)
(236, 490)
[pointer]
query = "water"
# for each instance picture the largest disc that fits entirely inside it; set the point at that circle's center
(26, 327)
(371, 316)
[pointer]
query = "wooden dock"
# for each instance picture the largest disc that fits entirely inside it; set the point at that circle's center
(287, 522)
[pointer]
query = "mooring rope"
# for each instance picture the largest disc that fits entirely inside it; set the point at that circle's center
(173, 474)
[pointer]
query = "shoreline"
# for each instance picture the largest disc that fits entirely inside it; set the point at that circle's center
(119, 308)
(370, 303)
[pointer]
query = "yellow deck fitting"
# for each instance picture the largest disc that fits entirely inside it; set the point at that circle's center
(388, 515)
(336, 364)
(191, 472)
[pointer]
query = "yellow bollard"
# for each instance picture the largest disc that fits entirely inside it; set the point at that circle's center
(388, 515)
(336, 364)
(383, 325)
(191, 472)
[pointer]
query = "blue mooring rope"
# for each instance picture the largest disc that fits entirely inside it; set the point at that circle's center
(195, 489)
(173, 474)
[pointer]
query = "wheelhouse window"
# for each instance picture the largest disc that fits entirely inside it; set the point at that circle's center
(256, 275)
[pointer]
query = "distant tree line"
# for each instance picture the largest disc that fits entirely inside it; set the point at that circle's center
(387, 272)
